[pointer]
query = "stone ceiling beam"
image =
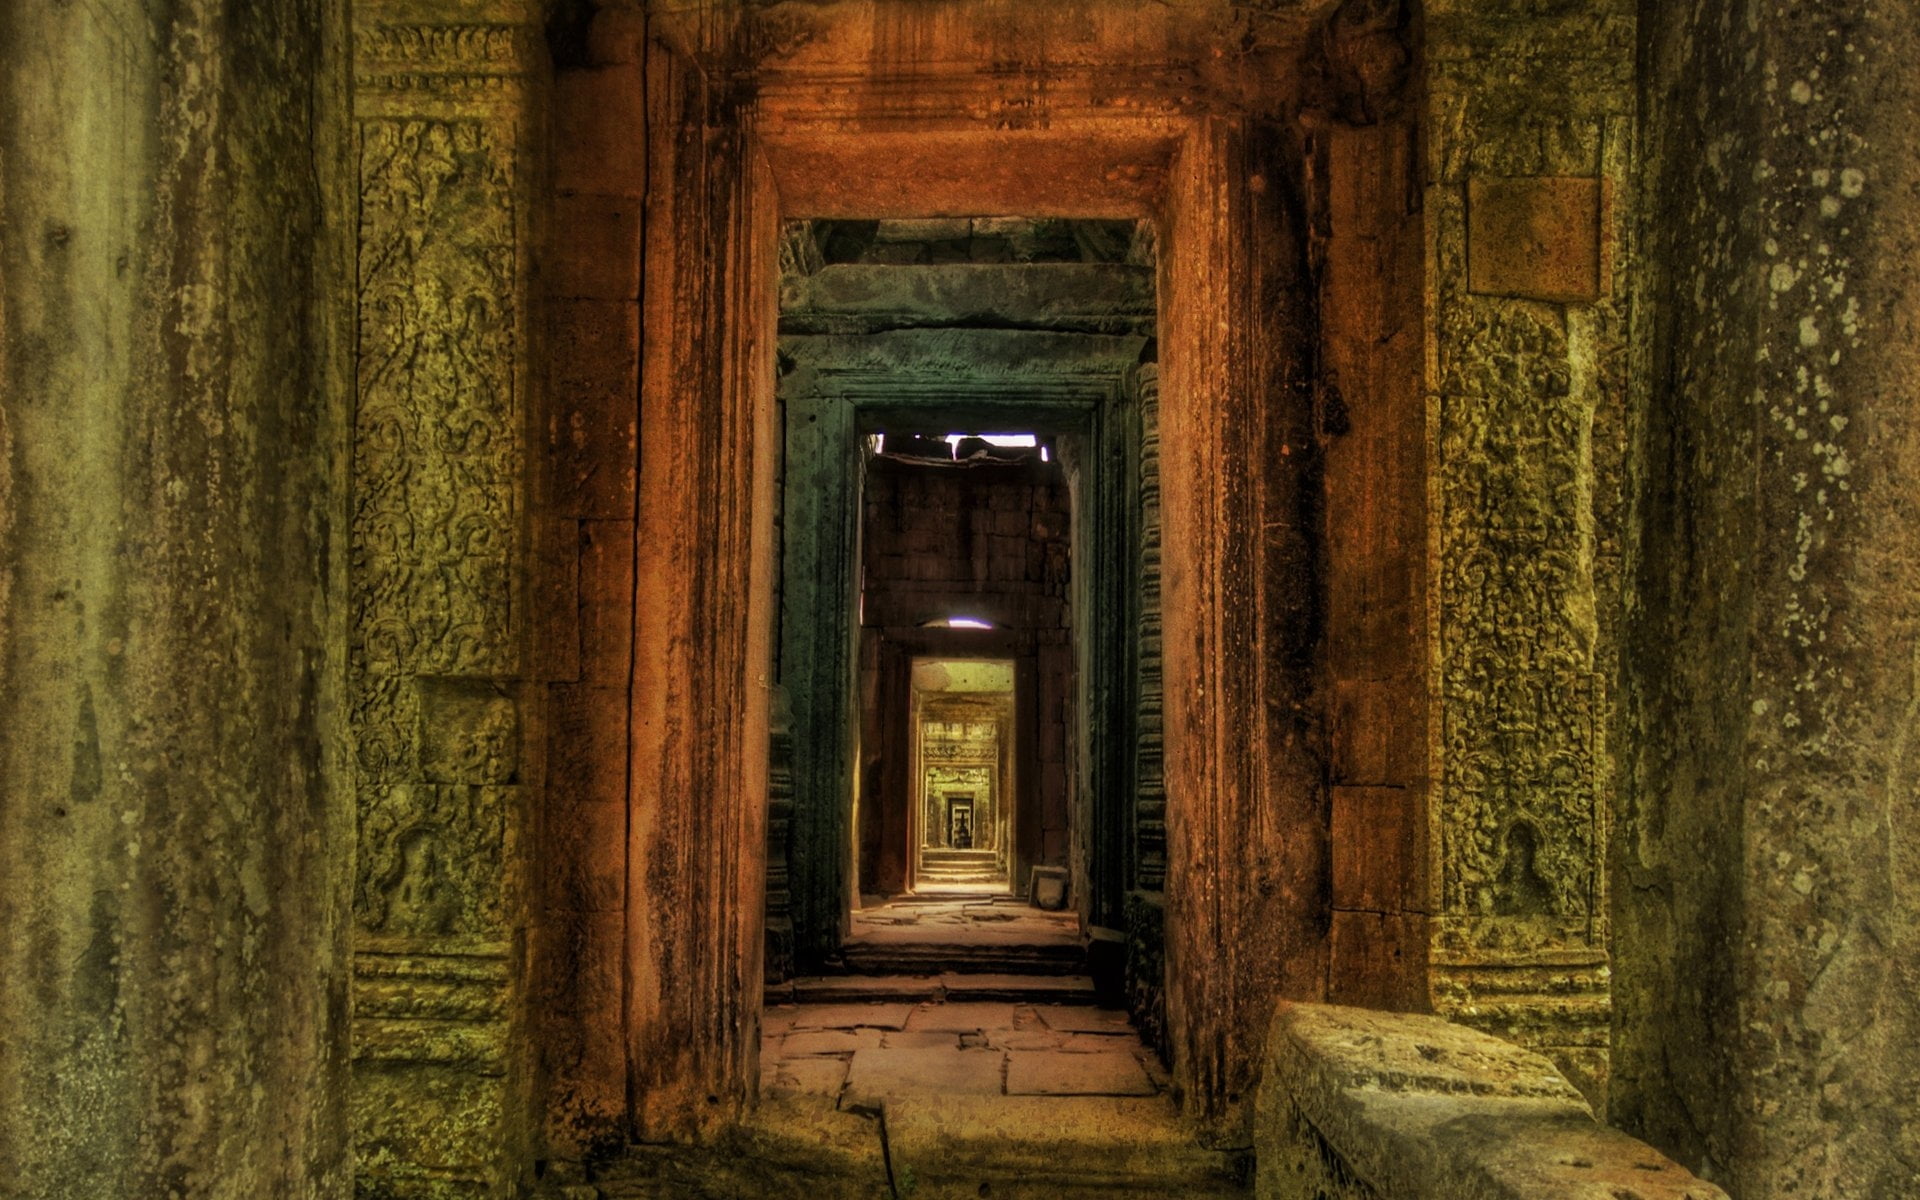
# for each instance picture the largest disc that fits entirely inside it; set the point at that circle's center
(993, 355)
(860, 298)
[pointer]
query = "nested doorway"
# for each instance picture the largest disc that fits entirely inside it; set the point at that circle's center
(1216, 163)
(961, 803)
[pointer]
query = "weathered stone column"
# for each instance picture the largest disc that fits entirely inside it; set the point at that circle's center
(703, 619)
(819, 593)
(175, 825)
(1245, 786)
(1527, 141)
(446, 760)
(1767, 884)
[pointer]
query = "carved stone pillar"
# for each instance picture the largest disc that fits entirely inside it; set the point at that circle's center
(445, 159)
(1149, 774)
(1528, 128)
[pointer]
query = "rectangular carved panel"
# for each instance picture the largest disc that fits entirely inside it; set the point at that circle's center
(438, 558)
(1528, 132)
(1539, 238)
(437, 450)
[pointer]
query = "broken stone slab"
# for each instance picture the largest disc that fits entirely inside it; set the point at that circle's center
(877, 1076)
(1417, 1108)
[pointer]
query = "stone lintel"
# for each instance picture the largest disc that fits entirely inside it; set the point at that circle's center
(1000, 357)
(853, 59)
(1410, 1107)
(1104, 298)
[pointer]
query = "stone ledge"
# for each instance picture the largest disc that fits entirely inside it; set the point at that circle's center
(1396, 1106)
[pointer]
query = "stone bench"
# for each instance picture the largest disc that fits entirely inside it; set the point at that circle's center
(1363, 1105)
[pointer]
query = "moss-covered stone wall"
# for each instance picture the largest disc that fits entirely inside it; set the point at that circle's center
(174, 825)
(1766, 914)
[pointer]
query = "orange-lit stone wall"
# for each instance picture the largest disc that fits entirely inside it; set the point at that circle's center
(1372, 419)
(584, 523)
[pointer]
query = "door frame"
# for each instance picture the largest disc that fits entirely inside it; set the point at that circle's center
(1246, 788)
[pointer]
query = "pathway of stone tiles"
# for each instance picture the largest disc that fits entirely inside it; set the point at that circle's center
(863, 1054)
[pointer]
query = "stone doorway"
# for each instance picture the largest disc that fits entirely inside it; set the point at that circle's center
(1228, 867)
(916, 524)
(568, 525)
(962, 801)
(1242, 818)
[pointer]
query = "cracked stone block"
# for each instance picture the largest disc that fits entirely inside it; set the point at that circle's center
(878, 1074)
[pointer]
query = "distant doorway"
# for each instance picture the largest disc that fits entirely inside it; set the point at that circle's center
(962, 806)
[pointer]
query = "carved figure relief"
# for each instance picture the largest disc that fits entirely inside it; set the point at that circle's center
(437, 464)
(433, 860)
(437, 622)
(435, 437)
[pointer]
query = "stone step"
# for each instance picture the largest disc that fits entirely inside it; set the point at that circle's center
(939, 958)
(1027, 1148)
(1017, 989)
(944, 1148)
(948, 855)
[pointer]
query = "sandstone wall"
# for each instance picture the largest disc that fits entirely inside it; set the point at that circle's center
(174, 830)
(1766, 854)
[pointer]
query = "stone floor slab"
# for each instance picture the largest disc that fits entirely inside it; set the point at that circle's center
(938, 1039)
(804, 1042)
(804, 1077)
(962, 1018)
(878, 1075)
(1037, 1037)
(776, 1021)
(1051, 1073)
(852, 1016)
(1083, 1018)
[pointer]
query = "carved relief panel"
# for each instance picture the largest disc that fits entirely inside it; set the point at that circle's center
(436, 563)
(1526, 369)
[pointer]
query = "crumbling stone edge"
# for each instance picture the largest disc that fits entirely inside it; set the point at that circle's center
(1356, 1104)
